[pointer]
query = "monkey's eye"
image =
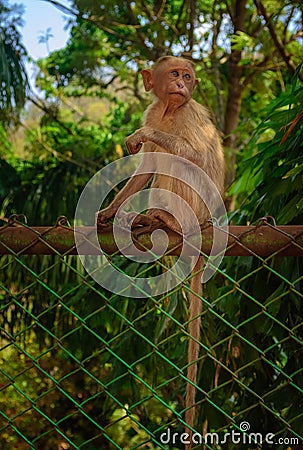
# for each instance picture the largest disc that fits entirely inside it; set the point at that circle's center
(174, 73)
(187, 76)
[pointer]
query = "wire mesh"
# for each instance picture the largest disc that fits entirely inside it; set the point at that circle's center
(83, 368)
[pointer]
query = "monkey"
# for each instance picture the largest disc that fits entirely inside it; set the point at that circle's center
(178, 125)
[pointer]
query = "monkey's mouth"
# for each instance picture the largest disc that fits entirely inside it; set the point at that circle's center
(176, 93)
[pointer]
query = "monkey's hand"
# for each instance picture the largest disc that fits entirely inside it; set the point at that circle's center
(103, 217)
(135, 141)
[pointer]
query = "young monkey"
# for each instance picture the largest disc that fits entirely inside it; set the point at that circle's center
(175, 124)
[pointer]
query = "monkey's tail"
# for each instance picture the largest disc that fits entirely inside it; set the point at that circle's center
(195, 309)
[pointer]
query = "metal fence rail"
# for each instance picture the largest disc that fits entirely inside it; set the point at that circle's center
(83, 368)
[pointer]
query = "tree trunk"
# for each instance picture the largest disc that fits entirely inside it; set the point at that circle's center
(235, 89)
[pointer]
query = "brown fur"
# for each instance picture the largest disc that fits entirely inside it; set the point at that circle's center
(176, 124)
(195, 309)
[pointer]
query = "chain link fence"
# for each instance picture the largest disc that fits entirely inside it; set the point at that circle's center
(83, 368)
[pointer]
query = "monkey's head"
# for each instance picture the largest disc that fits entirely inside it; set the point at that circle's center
(172, 80)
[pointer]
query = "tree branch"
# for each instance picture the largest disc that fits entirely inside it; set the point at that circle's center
(277, 41)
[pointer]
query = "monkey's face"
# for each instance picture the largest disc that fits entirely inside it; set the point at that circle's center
(173, 82)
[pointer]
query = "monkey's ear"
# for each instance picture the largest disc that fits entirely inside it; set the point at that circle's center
(147, 76)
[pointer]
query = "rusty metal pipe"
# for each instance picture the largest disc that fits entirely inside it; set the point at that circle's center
(262, 240)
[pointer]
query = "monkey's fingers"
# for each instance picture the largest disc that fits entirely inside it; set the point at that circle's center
(133, 147)
(104, 224)
(146, 229)
(102, 221)
(145, 220)
(165, 218)
(139, 146)
(145, 224)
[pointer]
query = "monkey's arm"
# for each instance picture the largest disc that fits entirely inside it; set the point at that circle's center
(135, 184)
(175, 145)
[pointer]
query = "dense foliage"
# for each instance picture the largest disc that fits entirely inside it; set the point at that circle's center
(247, 55)
(269, 178)
(269, 186)
(13, 78)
